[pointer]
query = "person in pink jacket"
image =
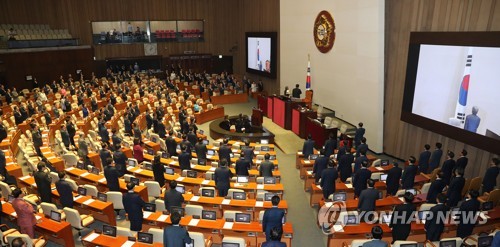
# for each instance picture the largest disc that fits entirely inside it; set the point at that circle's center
(25, 214)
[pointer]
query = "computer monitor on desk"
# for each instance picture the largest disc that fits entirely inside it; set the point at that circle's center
(448, 243)
(102, 197)
(383, 177)
(144, 237)
(180, 189)
(351, 219)
(242, 218)
(208, 215)
(207, 193)
(242, 179)
(169, 171)
(109, 230)
(339, 196)
(55, 216)
(226, 244)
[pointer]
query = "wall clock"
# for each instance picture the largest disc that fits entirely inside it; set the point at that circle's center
(150, 49)
(324, 31)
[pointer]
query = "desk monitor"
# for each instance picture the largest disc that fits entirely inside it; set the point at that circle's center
(55, 216)
(169, 171)
(269, 180)
(109, 230)
(484, 241)
(448, 243)
(313, 156)
(264, 148)
(242, 218)
(147, 166)
(180, 189)
(408, 245)
(80, 165)
(487, 206)
(165, 155)
(383, 177)
(134, 181)
(102, 197)
(384, 162)
(205, 142)
(268, 196)
(226, 244)
(210, 152)
(11, 198)
(264, 141)
(380, 195)
(178, 210)
(386, 218)
(82, 191)
(351, 219)
(208, 192)
(239, 195)
(143, 237)
(150, 151)
(340, 196)
(242, 179)
(202, 162)
(95, 170)
(201, 132)
(132, 162)
(413, 191)
(191, 174)
(150, 207)
(154, 139)
(272, 157)
(208, 215)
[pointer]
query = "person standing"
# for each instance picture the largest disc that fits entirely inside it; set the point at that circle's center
(423, 159)
(275, 238)
(408, 177)
(222, 175)
(42, 181)
(392, 181)
(490, 176)
(273, 218)
(175, 235)
(70, 127)
(158, 170)
(65, 191)
(25, 214)
(455, 188)
(401, 218)
(328, 178)
(133, 204)
(319, 165)
(472, 120)
(437, 187)
(171, 144)
(266, 168)
(111, 174)
(367, 200)
(360, 132)
(120, 160)
(3, 170)
(242, 166)
(173, 198)
(36, 135)
(296, 92)
(448, 167)
(434, 226)
(363, 147)
(184, 159)
(308, 147)
(468, 210)
(345, 167)
(201, 151)
(225, 151)
(83, 149)
(435, 158)
(360, 179)
(462, 161)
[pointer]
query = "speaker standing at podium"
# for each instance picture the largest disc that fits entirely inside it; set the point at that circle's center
(296, 92)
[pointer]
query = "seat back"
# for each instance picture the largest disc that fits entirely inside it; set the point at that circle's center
(199, 239)
(230, 214)
(376, 162)
(54, 177)
(234, 240)
(91, 190)
(154, 189)
(376, 175)
(231, 191)
(25, 237)
(73, 217)
(160, 205)
(158, 235)
(116, 198)
(6, 191)
(475, 183)
(122, 231)
(494, 196)
(426, 206)
(193, 210)
(72, 183)
(425, 188)
(48, 207)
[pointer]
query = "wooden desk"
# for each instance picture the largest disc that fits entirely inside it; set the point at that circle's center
(229, 99)
(209, 115)
(94, 239)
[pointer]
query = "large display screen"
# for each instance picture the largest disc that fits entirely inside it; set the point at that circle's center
(261, 54)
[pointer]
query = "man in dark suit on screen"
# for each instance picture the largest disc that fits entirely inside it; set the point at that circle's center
(273, 217)
(392, 181)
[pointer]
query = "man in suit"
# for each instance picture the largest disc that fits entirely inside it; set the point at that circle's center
(248, 151)
(43, 182)
(392, 181)
(70, 127)
(319, 165)
(83, 149)
(360, 132)
(137, 131)
(490, 176)
(173, 198)
(448, 167)
(434, 226)
(65, 136)
(328, 178)
(222, 175)
(133, 204)
(191, 136)
(225, 151)
(359, 160)
(360, 179)
(472, 120)
(105, 154)
(201, 150)
(367, 200)
(462, 161)
(330, 145)
(408, 178)
(308, 147)
(469, 208)
(272, 218)
(362, 147)
(65, 191)
(296, 92)
(242, 166)
(225, 124)
(344, 146)
(401, 218)
(435, 158)
(171, 144)
(36, 135)
(111, 174)
(377, 241)
(454, 192)
(184, 159)
(175, 235)
(117, 141)
(3, 170)
(423, 159)
(345, 165)
(186, 143)
(275, 238)
(266, 168)
(120, 160)
(436, 187)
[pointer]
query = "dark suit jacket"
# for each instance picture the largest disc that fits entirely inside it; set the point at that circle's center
(319, 165)
(471, 206)
(42, 181)
(345, 166)
(432, 226)
(117, 141)
(192, 138)
(401, 230)
(175, 236)
(188, 146)
(37, 138)
(171, 146)
(159, 173)
(120, 160)
(408, 178)
(248, 151)
(308, 148)
(133, 204)
(330, 146)
(447, 170)
(328, 177)
(454, 193)
(162, 132)
(367, 200)
(461, 162)
(266, 169)
(111, 175)
(65, 193)
(490, 178)
(358, 162)
(273, 244)
(242, 167)
(360, 132)
(65, 138)
(359, 180)
(392, 182)
(361, 147)
(225, 153)
(435, 159)
(173, 198)
(184, 161)
(104, 154)
(273, 217)
(201, 151)
(222, 175)
(436, 187)
(423, 161)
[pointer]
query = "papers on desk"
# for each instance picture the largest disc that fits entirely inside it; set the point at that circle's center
(309, 172)
(194, 222)
(338, 228)
(172, 162)
(139, 170)
(194, 198)
(260, 186)
(76, 198)
(179, 179)
(89, 201)
(84, 174)
(128, 243)
(299, 153)
(259, 204)
(349, 186)
(24, 178)
(307, 161)
(91, 237)
(379, 168)
(146, 214)
(228, 225)
(234, 150)
(212, 169)
(209, 156)
(205, 182)
(129, 168)
(70, 169)
(13, 214)
(102, 180)
(225, 202)
(38, 217)
(319, 187)
(258, 161)
(162, 218)
(256, 152)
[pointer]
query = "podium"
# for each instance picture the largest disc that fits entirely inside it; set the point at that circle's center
(319, 132)
(262, 104)
(282, 111)
(299, 119)
(257, 117)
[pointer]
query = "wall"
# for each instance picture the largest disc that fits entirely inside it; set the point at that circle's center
(404, 16)
(350, 78)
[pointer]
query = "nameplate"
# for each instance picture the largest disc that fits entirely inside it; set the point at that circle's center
(205, 182)
(260, 186)
(89, 201)
(194, 198)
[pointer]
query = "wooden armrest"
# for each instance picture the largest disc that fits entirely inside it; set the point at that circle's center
(208, 241)
(86, 216)
(471, 238)
(428, 242)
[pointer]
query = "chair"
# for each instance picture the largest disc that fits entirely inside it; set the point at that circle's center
(116, 198)
(122, 231)
(77, 221)
(458, 242)
(359, 242)
(6, 190)
(261, 194)
(200, 240)
(70, 159)
(399, 243)
(376, 175)
(154, 190)
(425, 188)
(39, 242)
(235, 240)
(193, 210)
(493, 196)
(4, 234)
(72, 183)
(475, 183)
(376, 162)
(91, 190)
(230, 215)
(400, 193)
(160, 205)
(48, 207)
(158, 235)
(231, 191)
(426, 206)
(208, 175)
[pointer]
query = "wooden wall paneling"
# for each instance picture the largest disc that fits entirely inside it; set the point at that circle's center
(404, 16)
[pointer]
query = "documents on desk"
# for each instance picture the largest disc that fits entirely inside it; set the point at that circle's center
(162, 218)
(88, 202)
(193, 222)
(146, 214)
(194, 198)
(228, 225)
(84, 174)
(379, 168)
(259, 204)
(349, 186)
(225, 202)
(205, 182)
(91, 237)
(102, 180)
(260, 186)
(128, 244)
(179, 179)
